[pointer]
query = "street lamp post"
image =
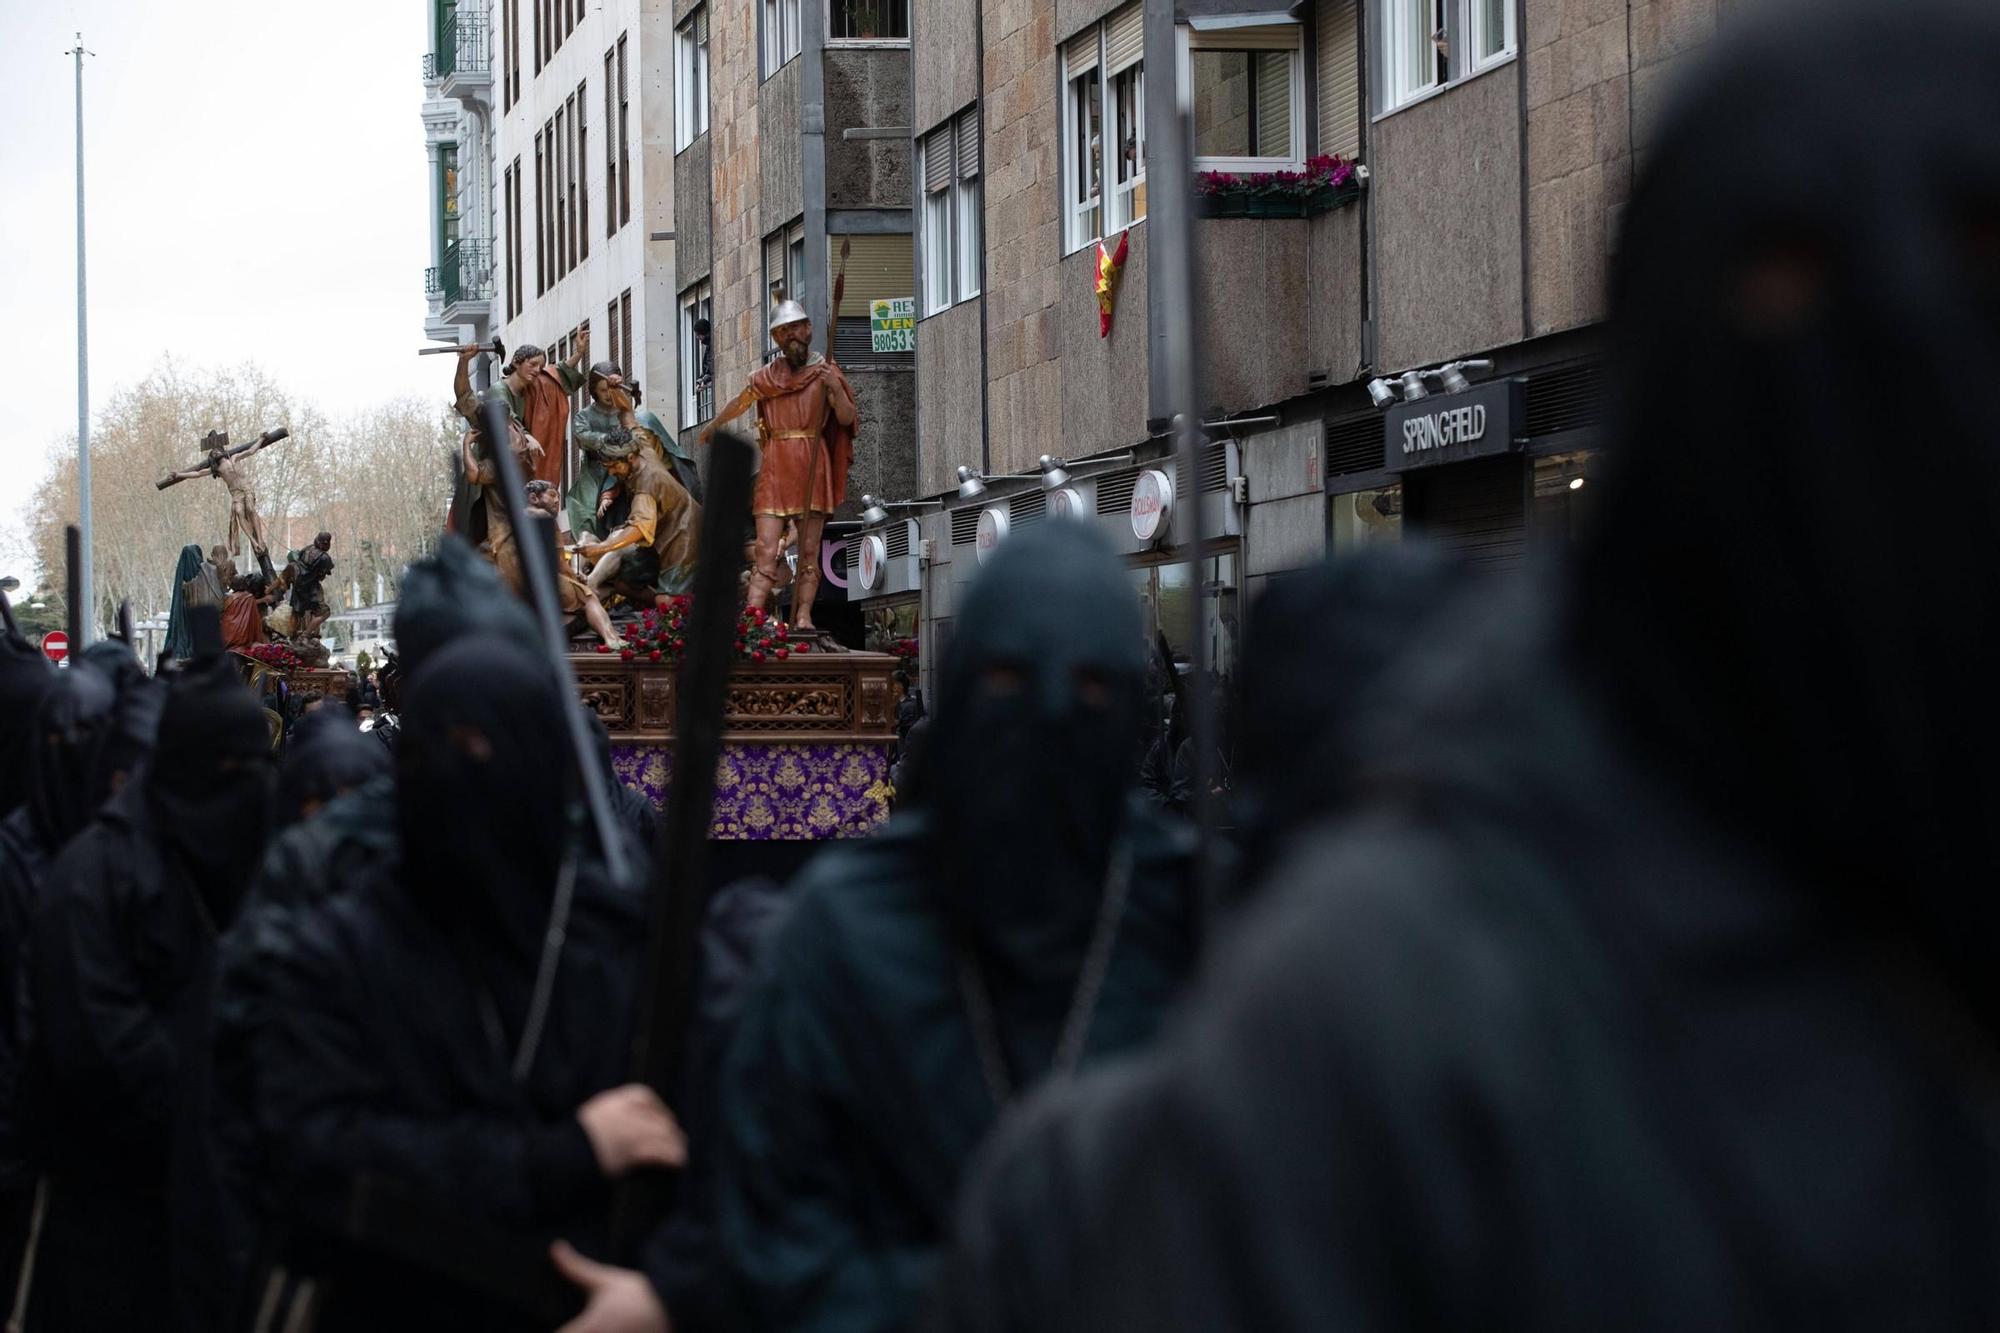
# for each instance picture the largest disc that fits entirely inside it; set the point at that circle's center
(83, 572)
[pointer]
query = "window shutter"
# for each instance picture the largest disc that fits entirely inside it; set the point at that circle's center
(937, 159)
(1080, 55)
(774, 262)
(701, 26)
(1267, 37)
(1339, 80)
(631, 361)
(1274, 103)
(611, 323)
(878, 269)
(1125, 38)
(968, 144)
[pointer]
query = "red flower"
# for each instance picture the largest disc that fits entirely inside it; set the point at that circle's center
(784, 630)
(758, 614)
(626, 653)
(654, 655)
(680, 645)
(757, 656)
(801, 647)
(603, 647)
(783, 653)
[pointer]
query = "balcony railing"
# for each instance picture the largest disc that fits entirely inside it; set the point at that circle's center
(465, 275)
(461, 48)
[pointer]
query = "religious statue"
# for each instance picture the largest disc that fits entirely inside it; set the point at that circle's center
(653, 550)
(537, 396)
(612, 414)
(806, 417)
(575, 595)
(243, 612)
(310, 567)
(226, 465)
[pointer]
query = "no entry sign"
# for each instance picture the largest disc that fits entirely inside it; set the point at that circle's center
(55, 645)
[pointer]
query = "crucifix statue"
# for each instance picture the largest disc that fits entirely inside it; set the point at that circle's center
(226, 464)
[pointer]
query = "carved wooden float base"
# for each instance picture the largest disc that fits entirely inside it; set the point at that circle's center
(806, 742)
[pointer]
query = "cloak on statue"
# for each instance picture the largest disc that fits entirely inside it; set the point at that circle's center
(180, 638)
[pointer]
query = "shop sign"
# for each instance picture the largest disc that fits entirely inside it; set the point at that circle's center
(1451, 428)
(1066, 502)
(1152, 505)
(874, 551)
(830, 563)
(993, 524)
(892, 325)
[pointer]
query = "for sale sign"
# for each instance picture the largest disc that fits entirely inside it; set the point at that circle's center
(892, 325)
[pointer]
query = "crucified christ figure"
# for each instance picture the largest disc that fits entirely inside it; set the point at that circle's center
(226, 465)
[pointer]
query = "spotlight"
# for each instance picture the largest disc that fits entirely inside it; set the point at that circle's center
(1454, 380)
(970, 484)
(1576, 483)
(872, 511)
(1054, 476)
(1382, 391)
(1413, 386)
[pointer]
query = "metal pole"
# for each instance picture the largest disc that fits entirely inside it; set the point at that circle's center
(1170, 222)
(83, 594)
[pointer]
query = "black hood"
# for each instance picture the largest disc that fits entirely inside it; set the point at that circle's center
(453, 595)
(25, 675)
(484, 777)
(1791, 596)
(136, 717)
(1314, 660)
(329, 754)
(180, 635)
(1033, 751)
(208, 786)
(72, 723)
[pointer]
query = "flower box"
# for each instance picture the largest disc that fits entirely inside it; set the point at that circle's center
(1327, 183)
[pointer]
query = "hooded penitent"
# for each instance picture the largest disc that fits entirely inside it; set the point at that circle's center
(24, 676)
(451, 596)
(65, 775)
(208, 787)
(1030, 758)
(329, 754)
(1650, 982)
(483, 776)
(1807, 647)
(136, 717)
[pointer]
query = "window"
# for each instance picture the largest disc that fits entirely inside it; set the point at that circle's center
(539, 5)
(1246, 91)
(691, 81)
(868, 21)
(1104, 83)
(878, 269)
(784, 269)
(781, 33)
(447, 187)
(951, 218)
(541, 220)
(624, 142)
(582, 164)
(506, 51)
(630, 364)
(611, 324)
(512, 264)
(1428, 44)
(610, 142)
(697, 374)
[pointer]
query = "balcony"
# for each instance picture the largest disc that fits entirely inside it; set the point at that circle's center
(461, 288)
(462, 65)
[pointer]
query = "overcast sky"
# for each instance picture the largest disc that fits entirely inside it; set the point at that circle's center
(256, 191)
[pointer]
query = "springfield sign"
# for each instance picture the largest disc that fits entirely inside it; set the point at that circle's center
(1450, 428)
(892, 325)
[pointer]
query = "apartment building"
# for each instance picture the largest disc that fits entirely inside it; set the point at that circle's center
(1491, 144)
(554, 201)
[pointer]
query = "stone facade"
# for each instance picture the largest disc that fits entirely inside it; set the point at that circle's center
(737, 272)
(867, 87)
(952, 422)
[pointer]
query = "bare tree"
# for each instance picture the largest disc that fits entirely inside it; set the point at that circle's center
(377, 480)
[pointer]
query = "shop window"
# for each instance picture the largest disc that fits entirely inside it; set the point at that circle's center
(691, 86)
(1359, 518)
(948, 162)
(868, 21)
(1245, 87)
(1168, 599)
(1104, 82)
(1428, 44)
(1565, 493)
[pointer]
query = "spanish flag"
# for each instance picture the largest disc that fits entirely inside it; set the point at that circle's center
(1110, 266)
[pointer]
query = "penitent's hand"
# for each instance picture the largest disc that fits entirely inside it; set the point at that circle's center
(619, 1300)
(631, 1127)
